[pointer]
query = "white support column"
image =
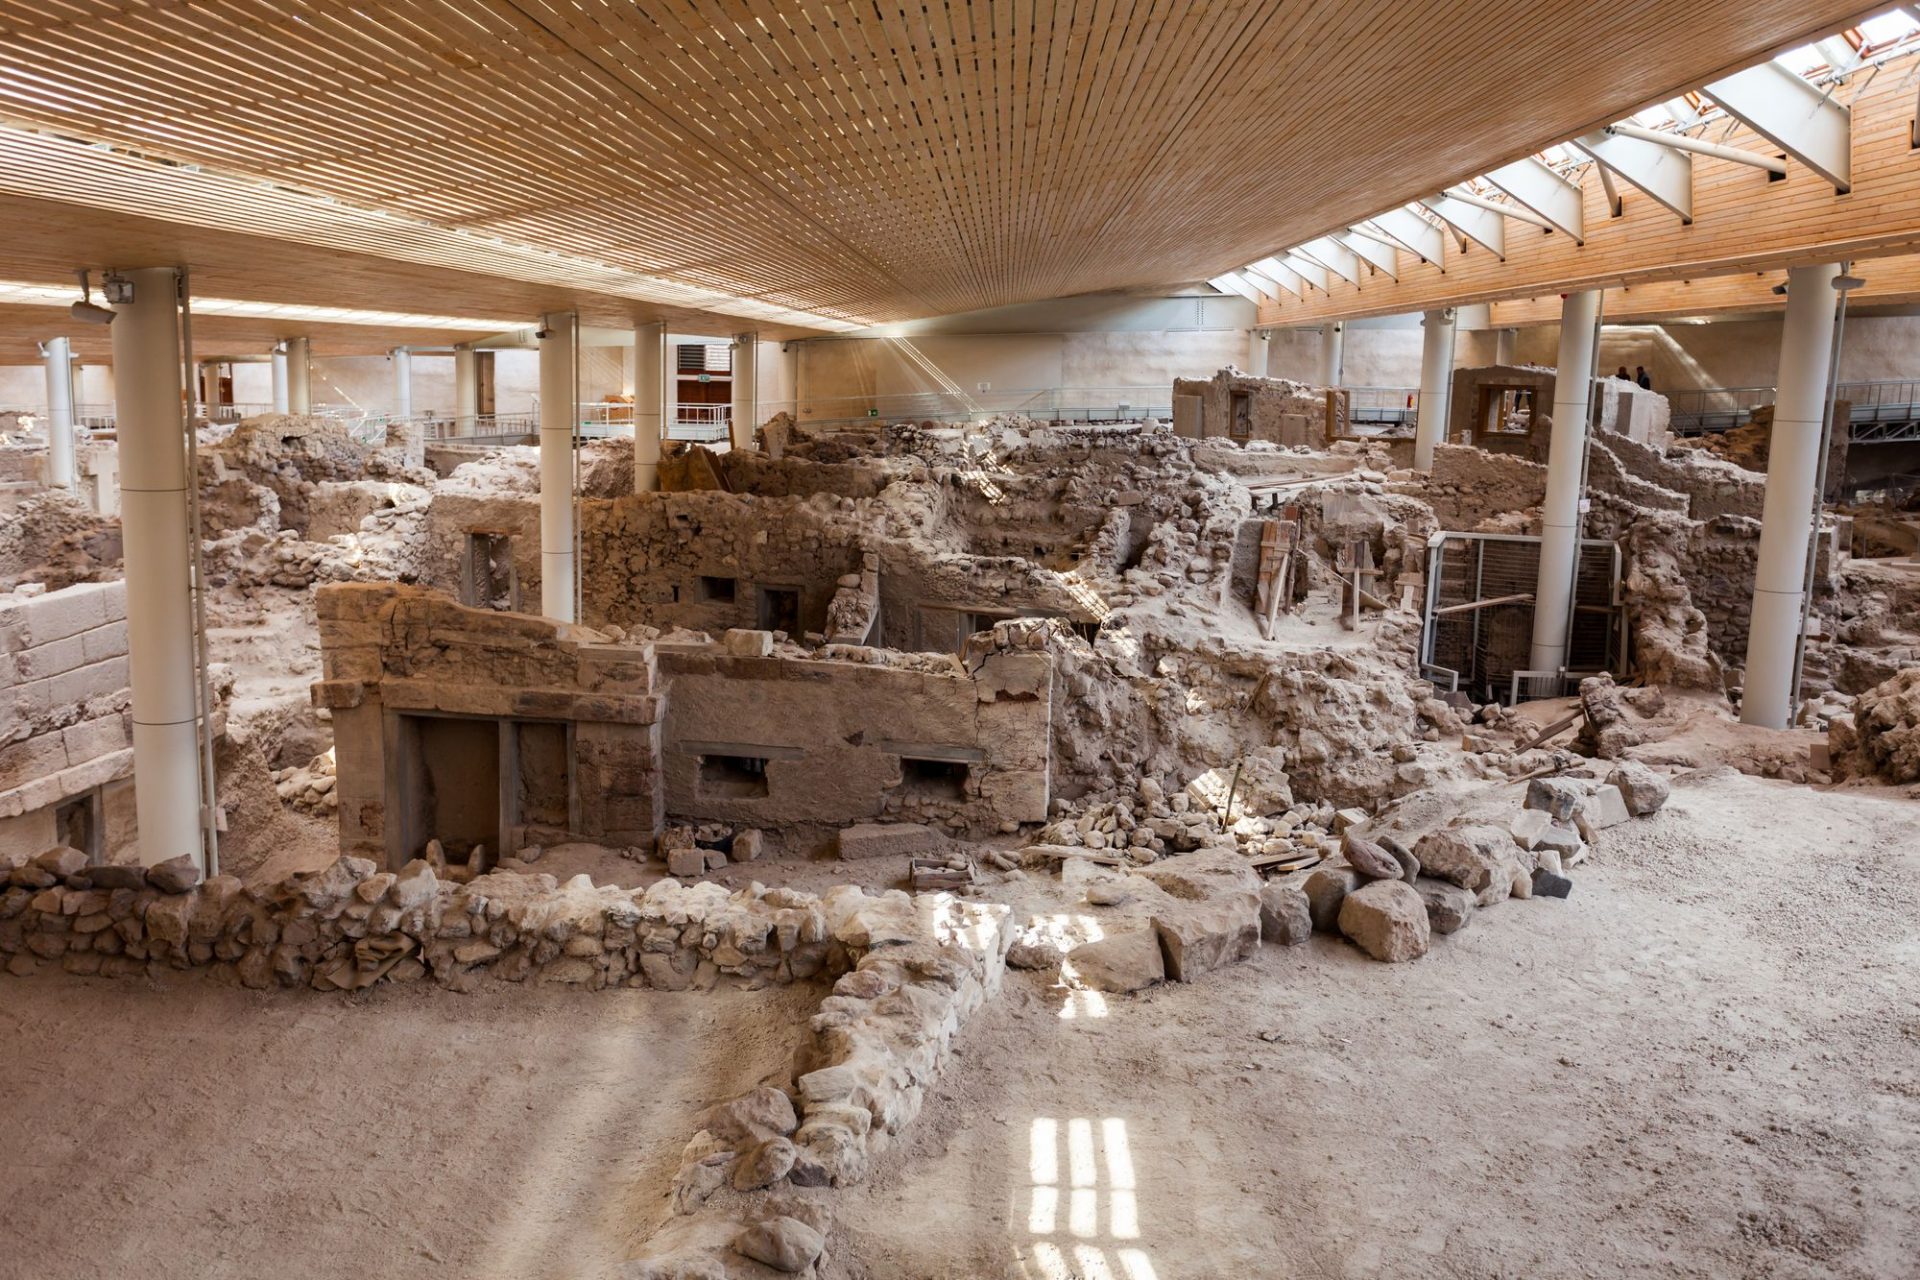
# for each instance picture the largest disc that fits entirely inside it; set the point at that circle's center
(1436, 386)
(1258, 343)
(650, 384)
(466, 391)
(150, 419)
(745, 411)
(59, 360)
(1333, 352)
(299, 376)
(1566, 466)
(281, 395)
(1503, 345)
(559, 416)
(1786, 516)
(402, 382)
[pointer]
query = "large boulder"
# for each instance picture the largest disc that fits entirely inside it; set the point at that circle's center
(1449, 907)
(1471, 856)
(1388, 920)
(1369, 859)
(1285, 917)
(1643, 789)
(1199, 937)
(1326, 888)
(1120, 962)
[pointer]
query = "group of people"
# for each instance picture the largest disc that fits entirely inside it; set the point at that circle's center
(1639, 377)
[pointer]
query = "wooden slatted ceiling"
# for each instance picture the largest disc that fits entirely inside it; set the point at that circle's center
(23, 327)
(873, 160)
(1742, 223)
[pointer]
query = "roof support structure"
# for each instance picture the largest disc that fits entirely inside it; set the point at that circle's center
(1269, 288)
(1230, 282)
(1481, 225)
(1372, 250)
(1334, 256)
(1415, 233)
(1662, 172)
(1307, 269)
(1283, 275)
(1697, 146)
(1533, 182)
(1789, 111)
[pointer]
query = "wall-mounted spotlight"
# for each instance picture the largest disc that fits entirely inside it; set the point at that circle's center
(86, 311)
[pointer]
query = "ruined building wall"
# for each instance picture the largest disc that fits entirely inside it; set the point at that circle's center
(856, 735)
(65, 733)
(1240, 407)
(448, 722)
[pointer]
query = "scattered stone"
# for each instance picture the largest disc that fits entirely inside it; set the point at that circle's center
(763, 1166)
(884, 839)
(1548, 885)
(111, 876)
(1449, 907)
(1108, 893)
(748, 644)
(1606, 807)
(1120, 962)
(1325, 889)
(785, 1244)
(1560, 797)
(748, 845)
(1387, 919)
(1608, 728)
(1368, 858)
(1528, 826)
(1035, 955)
(1409, 865)
(1643, 790)
(414, 886)
(175, 875)
(1354, 820)
(1469, 856)
(1286, 919)
(689, 863)
(1199, 937)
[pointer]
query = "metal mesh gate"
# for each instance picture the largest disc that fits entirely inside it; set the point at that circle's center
(1480, 650)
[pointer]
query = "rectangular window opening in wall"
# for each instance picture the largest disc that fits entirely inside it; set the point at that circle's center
(1240, 421)
(932, 779)
(489, 581)
(718, 590)
(733, 777)
(76, 824)
(779, 610)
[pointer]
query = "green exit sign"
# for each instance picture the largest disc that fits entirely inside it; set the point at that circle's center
(706, 377)
(873, 413)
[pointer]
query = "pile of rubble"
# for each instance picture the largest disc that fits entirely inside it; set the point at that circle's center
(309, 788)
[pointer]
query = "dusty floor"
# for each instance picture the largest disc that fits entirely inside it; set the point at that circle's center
(1705, 1063)
(521, 1133)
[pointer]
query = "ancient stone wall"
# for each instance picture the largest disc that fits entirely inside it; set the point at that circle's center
(1241, 407)
(64, 719)
(400, 659)
(855, 735)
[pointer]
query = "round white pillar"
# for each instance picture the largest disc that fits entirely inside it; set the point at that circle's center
(1567, 448)
(466, 391)
(650, 383)
(151, 423)
(559, 417)
(281, 400)
(1333, 352)
(402, 382)
(299, 376)
(1436, 386)
(1786, 515)
(1258, 343)
(59, 362)
(745, 411)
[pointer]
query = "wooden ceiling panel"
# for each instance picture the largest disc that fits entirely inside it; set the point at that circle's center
(873, 160)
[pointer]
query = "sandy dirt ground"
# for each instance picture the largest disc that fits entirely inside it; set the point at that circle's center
(1705, 1063)
(519, 1134)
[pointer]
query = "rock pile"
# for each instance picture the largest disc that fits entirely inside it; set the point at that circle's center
(1881, 738)
(309, 788)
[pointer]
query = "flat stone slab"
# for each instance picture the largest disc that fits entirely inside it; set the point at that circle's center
(884, 839)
